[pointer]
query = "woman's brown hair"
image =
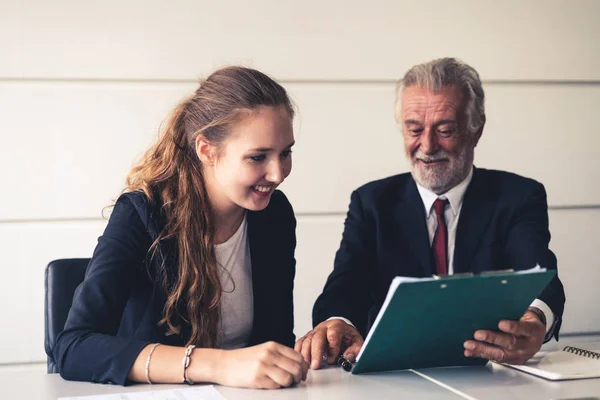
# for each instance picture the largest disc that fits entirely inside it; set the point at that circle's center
(170, 174)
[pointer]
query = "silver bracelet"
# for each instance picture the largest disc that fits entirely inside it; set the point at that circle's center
(186, 362)
(148, 362)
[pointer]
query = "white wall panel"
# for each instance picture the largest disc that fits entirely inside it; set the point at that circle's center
(312, 39)
(26, 250)
(546, 133)
(575, 242)
(318, 239)
(347, 137)
(67, 147)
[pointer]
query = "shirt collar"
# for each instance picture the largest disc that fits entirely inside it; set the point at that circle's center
(455, 196)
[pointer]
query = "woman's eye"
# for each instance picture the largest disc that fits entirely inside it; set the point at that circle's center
(258, 158)
(286, 153)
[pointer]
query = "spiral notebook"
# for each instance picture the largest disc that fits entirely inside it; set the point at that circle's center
(568, 363)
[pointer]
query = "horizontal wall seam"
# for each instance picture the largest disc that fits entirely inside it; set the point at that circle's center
(544, 82)
(298, 215)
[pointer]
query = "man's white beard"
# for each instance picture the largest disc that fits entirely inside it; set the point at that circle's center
(439, 179)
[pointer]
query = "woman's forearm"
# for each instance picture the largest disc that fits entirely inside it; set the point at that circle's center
(166, 365)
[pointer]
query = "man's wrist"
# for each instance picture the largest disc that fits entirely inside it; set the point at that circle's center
(539, 313)
(343, 319)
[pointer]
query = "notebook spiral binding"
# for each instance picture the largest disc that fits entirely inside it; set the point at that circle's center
(582, 352)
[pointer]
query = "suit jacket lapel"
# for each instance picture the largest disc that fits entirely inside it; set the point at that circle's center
(411, 219)
(478, 206)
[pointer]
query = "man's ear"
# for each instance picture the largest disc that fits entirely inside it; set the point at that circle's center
(206, 152)
(479, 132)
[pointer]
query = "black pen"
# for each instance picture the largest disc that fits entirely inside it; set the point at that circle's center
(344, 363)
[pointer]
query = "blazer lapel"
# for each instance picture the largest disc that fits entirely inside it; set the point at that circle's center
(258, 241)
(411, 220)
(478, 206)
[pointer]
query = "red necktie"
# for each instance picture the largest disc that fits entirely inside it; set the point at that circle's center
(440, 240)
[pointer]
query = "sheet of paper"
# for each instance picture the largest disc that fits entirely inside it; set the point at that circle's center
(533, 270)
(194, 393)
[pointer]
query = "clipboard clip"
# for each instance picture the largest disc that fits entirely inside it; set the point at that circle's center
(467, 274)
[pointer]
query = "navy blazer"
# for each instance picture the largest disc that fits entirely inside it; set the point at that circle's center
(503, 224)
(116, 310)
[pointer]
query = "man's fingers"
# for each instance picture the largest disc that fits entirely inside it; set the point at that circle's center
(334, 342)
(305, 351)
(305, 367)
(353, 342)
(298, 345)
(318, 348)
(499, 339)
(327, 341)
(519, 328)
(508, 326)
(352, 351)
(486, 351)
(494, 353)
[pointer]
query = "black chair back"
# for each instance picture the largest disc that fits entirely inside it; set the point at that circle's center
(61, 280)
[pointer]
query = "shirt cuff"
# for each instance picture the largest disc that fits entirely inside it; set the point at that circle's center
(346, 320)
(543, 307)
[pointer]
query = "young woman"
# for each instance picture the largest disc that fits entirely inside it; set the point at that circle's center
(192, 279)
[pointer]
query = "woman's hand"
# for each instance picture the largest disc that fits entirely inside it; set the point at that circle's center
(266, 366)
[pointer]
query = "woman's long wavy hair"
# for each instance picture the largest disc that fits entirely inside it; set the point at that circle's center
(170, 174)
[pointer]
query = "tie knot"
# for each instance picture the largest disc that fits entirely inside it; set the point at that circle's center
(439, 206)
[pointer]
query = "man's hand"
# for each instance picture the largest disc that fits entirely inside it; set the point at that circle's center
(329, 339)
(517, 342)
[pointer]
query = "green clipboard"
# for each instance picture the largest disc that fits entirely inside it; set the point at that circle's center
(424, 322)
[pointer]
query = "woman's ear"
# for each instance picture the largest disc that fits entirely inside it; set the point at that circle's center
(206, 152)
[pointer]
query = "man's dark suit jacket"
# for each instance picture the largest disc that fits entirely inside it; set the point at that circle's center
(503, 224)
(116, 310)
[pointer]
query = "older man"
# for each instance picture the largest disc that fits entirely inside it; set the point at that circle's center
(445, 217)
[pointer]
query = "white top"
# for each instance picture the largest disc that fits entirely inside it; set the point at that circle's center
(237, 301)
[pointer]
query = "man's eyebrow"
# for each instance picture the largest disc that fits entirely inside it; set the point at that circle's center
(446, 121)
(442, 122)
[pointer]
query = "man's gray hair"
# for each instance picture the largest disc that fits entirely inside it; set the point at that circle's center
(435, 74)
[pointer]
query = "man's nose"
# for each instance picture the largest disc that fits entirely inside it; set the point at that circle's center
(429, 142)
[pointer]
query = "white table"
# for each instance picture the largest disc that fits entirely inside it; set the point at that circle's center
(331, 383)
(498, 382)
(489, 382)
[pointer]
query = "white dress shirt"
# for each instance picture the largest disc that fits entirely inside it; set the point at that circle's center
(451, 214)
